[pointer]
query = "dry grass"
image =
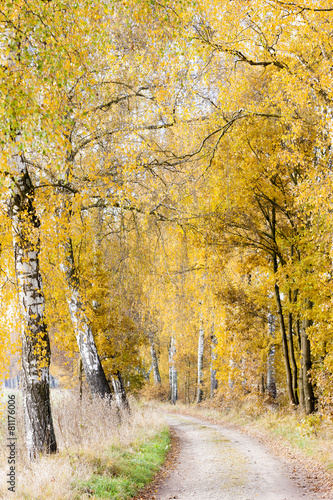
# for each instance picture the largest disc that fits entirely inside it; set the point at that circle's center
(86, 431)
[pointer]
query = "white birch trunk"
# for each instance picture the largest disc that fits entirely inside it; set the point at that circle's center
(119, 392)
(40, 436)
(156, 371)
(213, 381)
(92, 366)
(173, 373)
(200, 364)
(271, 383)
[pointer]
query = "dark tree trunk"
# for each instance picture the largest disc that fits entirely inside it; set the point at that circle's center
(301, 370)
(292, 355)
(40, 436)
(281, 317)
(309, 398)
(284, 340)
(285, 346)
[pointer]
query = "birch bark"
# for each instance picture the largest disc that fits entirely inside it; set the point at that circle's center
(271, 383)
(156, 371)
(213, 381)
(40, 436)
(119, 392)
(173, 373)
(200, 364)
(92, 366)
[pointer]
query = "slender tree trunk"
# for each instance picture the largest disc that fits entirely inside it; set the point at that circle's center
(283, 327)
(281, 317)
(40, 436)
(284, 346)
(93, 369)
(292, 348)
(173, 373)
(174, 396)
(301, 370)
(119, 392)
(310, 400)
(292, 357)
(262, 384)
(271, 383)
(156, 372)
(80, 379)
(200, 364)
(213, 381)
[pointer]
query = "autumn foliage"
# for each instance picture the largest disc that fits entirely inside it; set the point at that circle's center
(169, 165)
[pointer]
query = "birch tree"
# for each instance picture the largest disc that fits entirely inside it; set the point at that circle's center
(40, 436)
(213, 356)
(88, 351)
(173, 382)
(200, 363)
(156, 372)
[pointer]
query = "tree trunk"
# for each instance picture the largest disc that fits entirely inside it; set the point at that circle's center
(156, 372)
(80, 379)
(301, 370)
(174, 394)
(271, 383)
(284, 346)
(292, 351)
(92, 366)
(213, 381)
(200, 364)
(173, 373)
(310, 401)
(280, 314)
(40, 436)
(292, 357)
(119, 392)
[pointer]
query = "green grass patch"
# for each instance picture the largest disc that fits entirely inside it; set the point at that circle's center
(121, 473)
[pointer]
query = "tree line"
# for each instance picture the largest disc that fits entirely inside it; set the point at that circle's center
(166, 198)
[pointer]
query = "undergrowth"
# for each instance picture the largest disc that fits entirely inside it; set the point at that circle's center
(102, 453)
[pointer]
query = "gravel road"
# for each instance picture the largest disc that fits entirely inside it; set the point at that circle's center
(218, 463)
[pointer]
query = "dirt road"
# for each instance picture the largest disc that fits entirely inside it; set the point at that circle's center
(218, 463)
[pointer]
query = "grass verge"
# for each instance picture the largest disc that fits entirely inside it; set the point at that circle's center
(103, 453)
(123, 472)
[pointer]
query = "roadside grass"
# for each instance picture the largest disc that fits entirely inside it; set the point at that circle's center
(132, 470)
(102, 453)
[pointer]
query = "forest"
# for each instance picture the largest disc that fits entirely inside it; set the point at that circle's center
(166, 203)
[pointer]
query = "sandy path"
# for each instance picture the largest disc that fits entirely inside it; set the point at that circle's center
(217, 463)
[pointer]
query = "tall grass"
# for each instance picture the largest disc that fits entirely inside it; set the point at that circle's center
(91, 436)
